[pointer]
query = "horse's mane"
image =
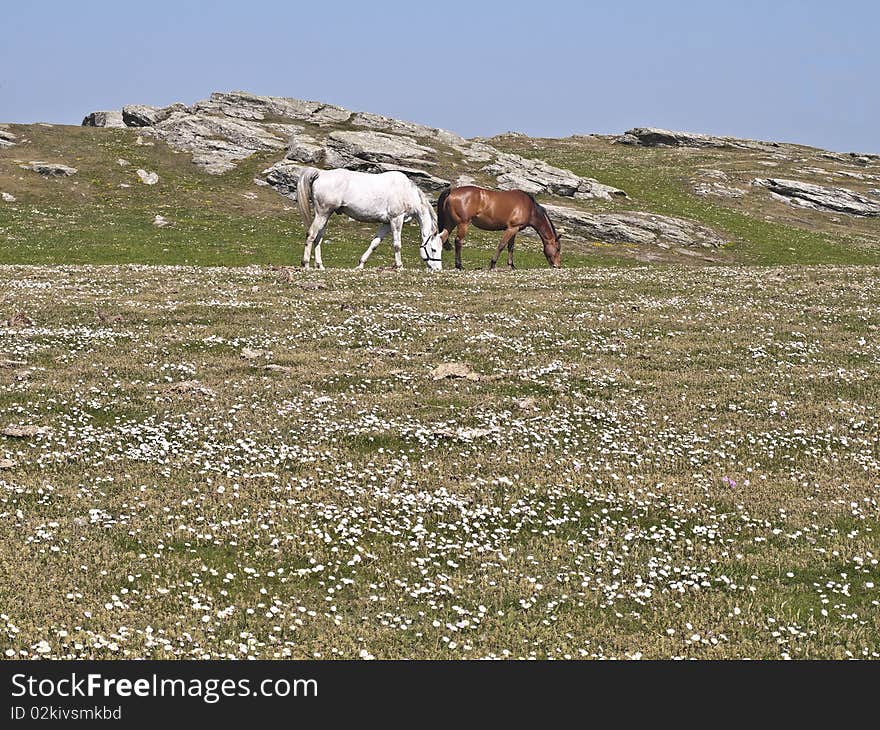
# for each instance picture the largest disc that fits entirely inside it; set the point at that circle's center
(427, 204)
(543, 211)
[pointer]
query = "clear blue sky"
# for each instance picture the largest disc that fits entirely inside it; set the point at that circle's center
(802, 71)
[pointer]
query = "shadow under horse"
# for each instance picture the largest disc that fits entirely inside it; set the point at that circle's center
(495, 210)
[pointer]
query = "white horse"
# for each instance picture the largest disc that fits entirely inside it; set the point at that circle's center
(389, 198)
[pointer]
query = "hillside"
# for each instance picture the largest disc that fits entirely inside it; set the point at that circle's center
(647, 195)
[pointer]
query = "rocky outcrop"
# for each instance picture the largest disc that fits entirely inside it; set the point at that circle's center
(50, 169)
(654, 137)
(633, 227)
(820, 197)
(380, 152)
(390, 149)
(226, 128)
(141, 115)
(850, 158)
(371, 146)
(396, 126)
(229, 127)
(104, 119)
(305, 148)
(253, 108)
(7, 138)
(537, 177)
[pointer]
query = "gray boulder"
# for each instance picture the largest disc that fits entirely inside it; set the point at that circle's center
(251, 107)
(380, 123)
(633, 227)
(820, 197)
(306, 149)
(141, 115)
(50, 169)
(104, 119)
(850, 158)
(283, 177)
(7, 138)
(654, 137)
(148, 178)
(478, 152)
(537, 177)
(379, 147)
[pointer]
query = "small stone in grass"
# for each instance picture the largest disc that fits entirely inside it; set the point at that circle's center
(15, 430)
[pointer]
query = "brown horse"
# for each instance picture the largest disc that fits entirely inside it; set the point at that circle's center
(494, 210)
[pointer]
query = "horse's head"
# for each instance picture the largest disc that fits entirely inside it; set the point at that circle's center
(552, 249)
(549, 235)
(431, 250)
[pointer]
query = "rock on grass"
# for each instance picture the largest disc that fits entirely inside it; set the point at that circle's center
(15, 430)
(50, 169)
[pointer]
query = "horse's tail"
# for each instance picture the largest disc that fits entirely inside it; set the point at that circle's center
(304, 194)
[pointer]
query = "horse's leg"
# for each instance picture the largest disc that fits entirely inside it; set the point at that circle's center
(459, 240)
(316, 230)
(319, 263)
(510, 251)
(396, 229)
(380, 234)
(505, 239)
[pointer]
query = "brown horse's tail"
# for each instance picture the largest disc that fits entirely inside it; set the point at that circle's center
(443, 223)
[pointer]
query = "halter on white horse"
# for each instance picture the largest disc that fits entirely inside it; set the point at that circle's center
(389, 198)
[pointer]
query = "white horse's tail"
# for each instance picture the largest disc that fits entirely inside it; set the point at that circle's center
(304, 193)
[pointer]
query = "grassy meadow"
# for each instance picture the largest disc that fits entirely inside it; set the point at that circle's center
(209, 453)
(250, 462)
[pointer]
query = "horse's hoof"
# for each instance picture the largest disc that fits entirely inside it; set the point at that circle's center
(459, 267)
(359, 267)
